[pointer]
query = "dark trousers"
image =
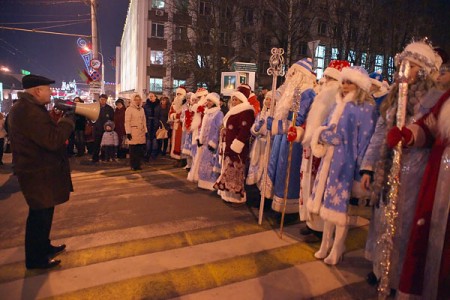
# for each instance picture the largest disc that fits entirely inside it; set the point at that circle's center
(110, 152)
(136, 155)
(162, 146)
(151, 148)
(96, 147)
(2, 143)
(37, 235)
(79, 142)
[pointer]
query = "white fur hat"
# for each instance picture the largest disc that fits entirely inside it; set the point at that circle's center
(214, 97)
(421, 54)
(335, 67)
(240, 96)
(358, 75)
(201, 92)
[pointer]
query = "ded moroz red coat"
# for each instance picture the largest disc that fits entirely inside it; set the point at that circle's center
(427, 263)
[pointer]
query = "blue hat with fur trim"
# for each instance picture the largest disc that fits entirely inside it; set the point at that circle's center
(305, 66)
(376, 78)
(306, 63)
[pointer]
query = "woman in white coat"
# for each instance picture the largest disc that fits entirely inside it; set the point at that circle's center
(136, 128)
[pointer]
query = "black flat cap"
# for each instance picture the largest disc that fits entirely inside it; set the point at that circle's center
(31, 80)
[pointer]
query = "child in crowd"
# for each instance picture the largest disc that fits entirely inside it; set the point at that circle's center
(110, 142)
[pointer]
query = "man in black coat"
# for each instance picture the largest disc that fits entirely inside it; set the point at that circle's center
(41, 166)
(106, 114)
(150, 107)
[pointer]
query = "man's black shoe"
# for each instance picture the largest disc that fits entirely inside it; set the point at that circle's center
(51, 263)
(55, 250)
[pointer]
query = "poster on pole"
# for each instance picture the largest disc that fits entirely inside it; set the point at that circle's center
(86, 53)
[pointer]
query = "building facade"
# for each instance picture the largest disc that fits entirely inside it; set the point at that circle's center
(170, 43)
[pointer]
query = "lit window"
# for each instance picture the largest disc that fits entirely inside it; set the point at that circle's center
(390, 69)
(334, 53)
(156, 84)
(156, 57)
(320, 60)
(379, 59)
(200, 61)
(363, 60)
(351, 57)
(157, 30)
(158, 4)
(177, 83)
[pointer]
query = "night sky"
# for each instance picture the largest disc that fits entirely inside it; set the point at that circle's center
(57, 56)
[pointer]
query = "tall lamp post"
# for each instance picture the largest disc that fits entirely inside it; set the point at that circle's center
(103, 73)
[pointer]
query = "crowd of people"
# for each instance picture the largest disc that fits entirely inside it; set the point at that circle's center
(317, 149)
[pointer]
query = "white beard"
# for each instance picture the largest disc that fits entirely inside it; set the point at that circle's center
(320, 109)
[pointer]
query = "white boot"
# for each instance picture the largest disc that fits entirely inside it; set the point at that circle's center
(327, 240)
(338, 246)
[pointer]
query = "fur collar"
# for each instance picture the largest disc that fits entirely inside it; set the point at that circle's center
(212, 110)
(236, 110)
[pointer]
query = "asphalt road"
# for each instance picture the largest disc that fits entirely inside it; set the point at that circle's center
(154, 235)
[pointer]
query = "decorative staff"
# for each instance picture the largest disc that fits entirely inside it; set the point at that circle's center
(276, 69)
(390, 210)
(294, 109)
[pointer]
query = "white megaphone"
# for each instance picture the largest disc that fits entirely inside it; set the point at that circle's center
(89, 110)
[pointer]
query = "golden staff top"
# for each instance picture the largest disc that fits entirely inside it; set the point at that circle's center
(276, 63)
(390, 210)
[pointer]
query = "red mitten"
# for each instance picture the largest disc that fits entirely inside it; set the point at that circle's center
(201, 109)
(393, 137)
(407, 136)
(292, 134)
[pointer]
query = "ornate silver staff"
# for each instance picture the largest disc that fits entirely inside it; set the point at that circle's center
(390, 210)
(294, 109)
(276, 69)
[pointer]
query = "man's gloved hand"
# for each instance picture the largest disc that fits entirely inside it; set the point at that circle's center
(69, 115)
(269, 123)
(259, 125)
(210, 148)
(329, 137)
(129, 137)
(66, 106)
(198, 144)
(292, 134)
(395, 135)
